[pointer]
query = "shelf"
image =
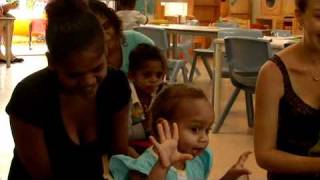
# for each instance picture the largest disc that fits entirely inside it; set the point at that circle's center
(272, 22)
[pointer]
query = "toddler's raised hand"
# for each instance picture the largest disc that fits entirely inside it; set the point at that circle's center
(238, 169)
(168, 147)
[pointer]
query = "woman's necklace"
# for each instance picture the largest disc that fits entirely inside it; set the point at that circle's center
(315, 70)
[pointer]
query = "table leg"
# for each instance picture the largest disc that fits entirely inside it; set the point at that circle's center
(7, 44)
(174, 46)
(216, 98)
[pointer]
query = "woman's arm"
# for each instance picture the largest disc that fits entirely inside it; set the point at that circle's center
(6, 8)
(119, 144)
(142, 19)
(269, 90)
(31, 149)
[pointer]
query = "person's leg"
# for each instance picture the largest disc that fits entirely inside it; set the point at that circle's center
(2, 57)
(9, 29)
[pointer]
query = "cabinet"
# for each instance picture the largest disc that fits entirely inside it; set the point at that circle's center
(271, 7)
(288, 7)
(278, 14)
(240, 9)
(206, 11)
(237, 11)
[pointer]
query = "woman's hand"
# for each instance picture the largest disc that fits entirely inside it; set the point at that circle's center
(168, 147)
(238, 169)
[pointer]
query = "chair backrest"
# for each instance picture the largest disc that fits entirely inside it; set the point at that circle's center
(232, 27)
(280, 33)
(158, 35)
(246, 55)
(254, 33)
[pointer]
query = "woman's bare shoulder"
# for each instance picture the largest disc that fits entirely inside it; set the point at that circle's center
(270, 79)
(270, 70)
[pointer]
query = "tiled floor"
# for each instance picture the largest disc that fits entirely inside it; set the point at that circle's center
(234, 138)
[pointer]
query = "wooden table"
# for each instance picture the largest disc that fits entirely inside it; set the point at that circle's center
(5, 23)
(188, 29)
(181, 29)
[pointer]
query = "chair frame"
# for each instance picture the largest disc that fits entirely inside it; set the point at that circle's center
(249, 89)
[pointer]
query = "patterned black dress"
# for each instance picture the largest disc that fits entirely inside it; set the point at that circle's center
(298, 127)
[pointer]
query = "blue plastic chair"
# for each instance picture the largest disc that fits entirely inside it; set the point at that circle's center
(205, 54)
(245, 56)
(185, 43)
(160, 38)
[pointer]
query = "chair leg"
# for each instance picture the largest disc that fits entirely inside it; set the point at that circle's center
(30, 35)
(207, 66)
(174, 73)
(226, 110)
(193, 68)
(188, 58)
(249, 108)
(184, 73)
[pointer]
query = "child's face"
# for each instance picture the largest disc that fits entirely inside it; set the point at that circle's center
(194, 118)
(148, 78)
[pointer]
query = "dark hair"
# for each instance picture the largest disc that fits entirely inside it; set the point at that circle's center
(144, 53)
(71, 28)
(302, 5)
(167, 102)
(100, 8)
(126, 4)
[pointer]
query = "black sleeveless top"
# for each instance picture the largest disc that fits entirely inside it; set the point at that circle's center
(35, 100)
(298, 126)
